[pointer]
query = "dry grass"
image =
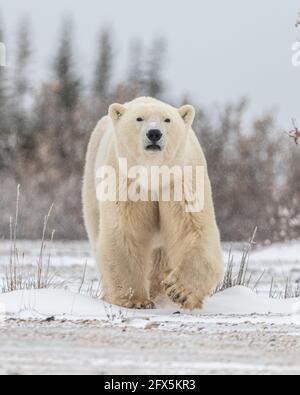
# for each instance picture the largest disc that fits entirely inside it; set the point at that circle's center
(16, 278)
(242, 276)
(42, 275)
(115, 316)
(291, 290)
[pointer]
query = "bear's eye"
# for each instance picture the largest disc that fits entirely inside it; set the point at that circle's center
(168, 120)
(140, 119)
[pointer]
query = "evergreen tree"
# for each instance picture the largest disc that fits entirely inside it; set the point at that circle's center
(67, 85)
(2, 80)
(103, 71)
(4, 132)
(136, 77)
(21, 101)
(154, 79)
(23, 57)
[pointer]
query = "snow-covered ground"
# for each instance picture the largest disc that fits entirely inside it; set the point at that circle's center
(239, 330)
(236, 301)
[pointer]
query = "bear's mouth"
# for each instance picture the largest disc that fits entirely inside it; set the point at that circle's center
(153, 147)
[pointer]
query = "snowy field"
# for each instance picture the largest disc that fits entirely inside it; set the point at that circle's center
(240, 330)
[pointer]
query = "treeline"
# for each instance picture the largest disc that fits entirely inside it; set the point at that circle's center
(44, 131)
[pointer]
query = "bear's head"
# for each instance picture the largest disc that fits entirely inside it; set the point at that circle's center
(150, 132)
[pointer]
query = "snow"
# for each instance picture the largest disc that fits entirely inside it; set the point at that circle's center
(69, 260)
(278, 252)
(61, 331)
(237, 301)
(243, 301)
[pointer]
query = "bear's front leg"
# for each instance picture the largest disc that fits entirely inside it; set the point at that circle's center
(194, 253)
(124, 266)
(193, 279)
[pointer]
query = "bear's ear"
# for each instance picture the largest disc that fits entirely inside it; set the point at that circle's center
(116, 111)
(187, 113)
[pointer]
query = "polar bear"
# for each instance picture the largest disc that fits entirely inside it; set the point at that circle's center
(144, 248)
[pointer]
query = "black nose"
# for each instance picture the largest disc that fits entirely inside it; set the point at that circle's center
(154, 135)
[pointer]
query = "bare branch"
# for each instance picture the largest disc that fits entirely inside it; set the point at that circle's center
(295, 132)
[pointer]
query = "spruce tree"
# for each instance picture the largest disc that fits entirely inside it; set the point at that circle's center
(67, 84)
(4, 132)
(22, 90)
(103, 70)
(154, 79)
(136, 75)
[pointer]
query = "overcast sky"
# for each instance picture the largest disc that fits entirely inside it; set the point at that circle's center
(218, 50)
